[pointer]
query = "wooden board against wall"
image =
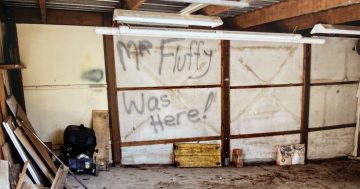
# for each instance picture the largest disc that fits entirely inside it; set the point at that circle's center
(100, 124)
(4, 174)
(30, 149)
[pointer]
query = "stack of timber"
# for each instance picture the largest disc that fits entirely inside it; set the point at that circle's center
(197, 155)
(20, 146)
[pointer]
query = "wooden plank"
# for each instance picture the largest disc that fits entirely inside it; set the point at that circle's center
(59, 181)
(335, 83)
(11, 55)
(11, 66)
(285, 10)
(14, 175)
(3, 107)
(198, 161)
(40, 148)
(29, 148)
(212, 10)
(100, 124)
(324, 128)
(197, 149)
(42, 6)
(305, 99)
(18, 112)
(9, 127)
(256, 135)
(332, 16)
(167, 87)
(22, 175)
(169, 141)
(134, 4)
(4, 175)
(6, 150)
(29, 185)
(112, 93)
(266, 86)
(225, 103)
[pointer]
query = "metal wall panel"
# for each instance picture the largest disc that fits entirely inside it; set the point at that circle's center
(145, 62)
(152, 154)
(169, 114)
(332, 105)
(262, 148)
(335, 61)
(263, 110)
(56, 55)
(255, 63)
(331, 143)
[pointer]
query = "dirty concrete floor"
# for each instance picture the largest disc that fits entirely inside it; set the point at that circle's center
(324, 174)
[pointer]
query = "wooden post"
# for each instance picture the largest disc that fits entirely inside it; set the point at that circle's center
(305, 97)
(112, 93)
(225, 103)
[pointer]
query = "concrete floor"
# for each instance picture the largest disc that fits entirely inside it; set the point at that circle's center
(326, 174)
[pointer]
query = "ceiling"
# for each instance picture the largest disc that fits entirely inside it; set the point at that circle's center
(262, 15)
(148, 5)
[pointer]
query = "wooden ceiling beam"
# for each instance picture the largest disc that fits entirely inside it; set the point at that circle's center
(134, 4)
(42, 6)
(212, 10)
(332, 16)
(285, 10)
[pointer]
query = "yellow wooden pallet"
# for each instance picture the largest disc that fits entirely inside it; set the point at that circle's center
(197, 155)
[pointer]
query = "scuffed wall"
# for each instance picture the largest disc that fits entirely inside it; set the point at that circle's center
(335, 103)
(263, 109)
(152, 107)
(180, 113)
(65, 76)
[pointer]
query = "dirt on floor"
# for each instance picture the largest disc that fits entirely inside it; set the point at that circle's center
(320, 175)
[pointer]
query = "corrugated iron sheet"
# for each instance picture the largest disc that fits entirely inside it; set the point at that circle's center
(149, 5)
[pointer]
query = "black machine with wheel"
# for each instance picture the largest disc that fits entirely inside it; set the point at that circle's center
(79, 148)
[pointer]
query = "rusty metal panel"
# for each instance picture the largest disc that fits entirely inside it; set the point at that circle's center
(263, 110)
(331, 143)
(335, 61)
(152, 154)
(262, 148)
(255, 63)
(332, 105)
(169, 114)
(146, 62)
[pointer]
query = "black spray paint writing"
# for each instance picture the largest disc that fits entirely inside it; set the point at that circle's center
(157, 103)
(182, 60)
(95, 75)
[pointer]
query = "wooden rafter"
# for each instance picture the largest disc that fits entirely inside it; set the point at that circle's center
(285, 10)
(214, 10)
(134, 4)
(332, 16)
(42, 10)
